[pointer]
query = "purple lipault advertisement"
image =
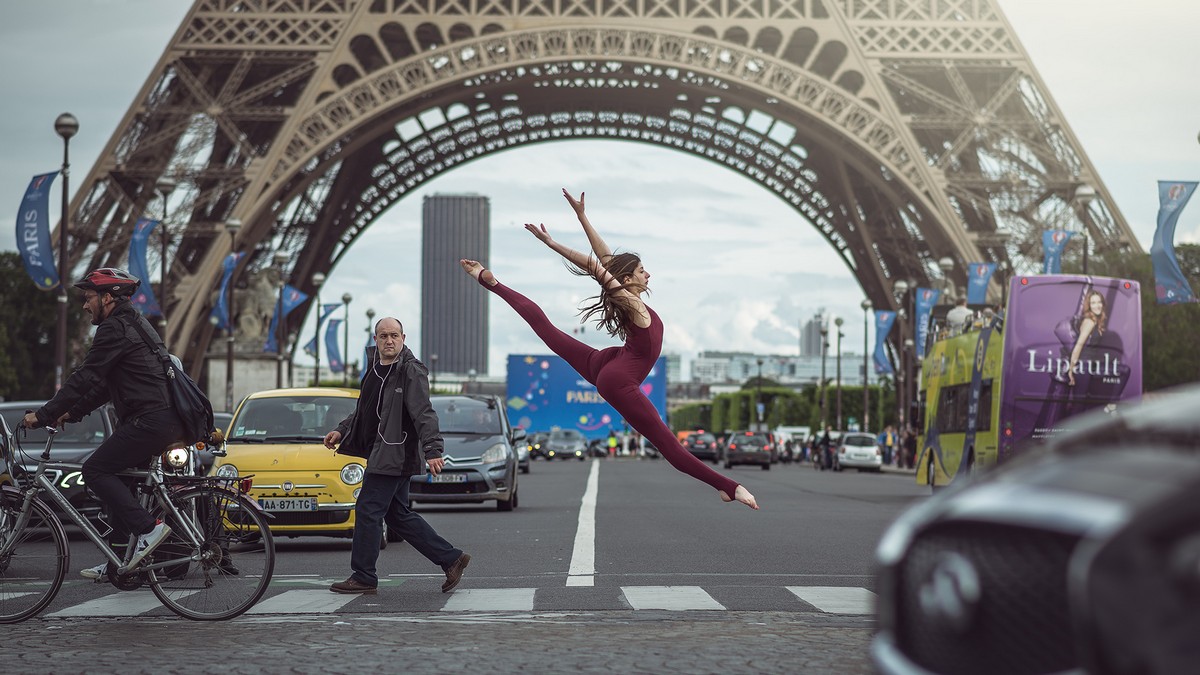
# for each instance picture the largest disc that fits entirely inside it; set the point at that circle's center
(1072, 344)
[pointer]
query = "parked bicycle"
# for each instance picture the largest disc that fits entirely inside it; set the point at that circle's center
(216, 563)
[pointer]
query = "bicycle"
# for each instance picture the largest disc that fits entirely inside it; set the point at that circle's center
(215, 565)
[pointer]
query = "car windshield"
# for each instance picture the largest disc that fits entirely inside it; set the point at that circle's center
(702, 438)
(289, 418)
(861, 441)
(467, 416)
(88, 432)
(566, 435)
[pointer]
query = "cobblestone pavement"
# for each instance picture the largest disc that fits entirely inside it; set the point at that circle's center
(585, 642)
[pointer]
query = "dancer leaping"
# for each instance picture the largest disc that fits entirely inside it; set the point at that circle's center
(617, 372)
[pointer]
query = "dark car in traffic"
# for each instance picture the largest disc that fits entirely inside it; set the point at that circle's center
(1079, 556)
(536, 443)
(703, 445)
(749, 447)
(480, 453)
(74, 444)
(566, 444)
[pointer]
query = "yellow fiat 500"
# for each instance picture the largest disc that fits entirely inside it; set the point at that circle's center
(277, 436)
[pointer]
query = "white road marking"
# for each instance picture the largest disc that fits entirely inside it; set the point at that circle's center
(304, 602)
(491, 600)
(837, 599)
(583, 560)
(675, 598)
(128, 603)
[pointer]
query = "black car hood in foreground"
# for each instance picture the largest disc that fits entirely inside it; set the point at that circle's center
(1082, 556)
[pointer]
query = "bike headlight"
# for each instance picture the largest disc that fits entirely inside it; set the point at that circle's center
(352, 474)
(496, 453)
(176, 457)
(227, 471)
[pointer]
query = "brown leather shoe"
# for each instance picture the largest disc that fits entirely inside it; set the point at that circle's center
(454, 572)
(351, 585)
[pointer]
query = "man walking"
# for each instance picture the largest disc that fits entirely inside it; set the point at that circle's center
(396, 429)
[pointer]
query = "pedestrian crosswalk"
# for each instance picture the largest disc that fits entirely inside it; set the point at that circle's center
(316, 601)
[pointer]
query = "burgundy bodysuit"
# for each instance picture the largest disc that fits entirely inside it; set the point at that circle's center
(617, 373)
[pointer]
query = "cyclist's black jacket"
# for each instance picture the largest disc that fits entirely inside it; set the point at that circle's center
(120, 367)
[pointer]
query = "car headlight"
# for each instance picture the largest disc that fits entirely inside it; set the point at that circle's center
(496, 453)
(227, 471)
(352, 474)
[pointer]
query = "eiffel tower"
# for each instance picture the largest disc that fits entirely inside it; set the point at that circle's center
(909, 132)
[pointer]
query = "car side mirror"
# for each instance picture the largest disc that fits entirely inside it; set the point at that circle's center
(518, 434)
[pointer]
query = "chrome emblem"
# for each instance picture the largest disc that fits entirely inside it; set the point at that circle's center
(950, 594)
(288, 485)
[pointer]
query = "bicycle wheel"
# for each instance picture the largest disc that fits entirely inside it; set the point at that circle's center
(232, 567)
(33, 561)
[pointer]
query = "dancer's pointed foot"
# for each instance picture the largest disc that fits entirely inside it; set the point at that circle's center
(742, 495)
(477, 270)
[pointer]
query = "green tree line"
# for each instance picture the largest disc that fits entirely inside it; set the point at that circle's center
(28, 331)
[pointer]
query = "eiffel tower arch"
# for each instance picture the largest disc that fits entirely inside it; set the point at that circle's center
(906, 131)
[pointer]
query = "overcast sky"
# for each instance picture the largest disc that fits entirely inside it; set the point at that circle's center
(733, 268)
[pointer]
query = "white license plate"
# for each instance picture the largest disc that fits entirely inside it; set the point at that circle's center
(448, 478)
(288, 503)
(861, 458)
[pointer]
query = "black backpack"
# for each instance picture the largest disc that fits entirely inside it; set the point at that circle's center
(191, 405)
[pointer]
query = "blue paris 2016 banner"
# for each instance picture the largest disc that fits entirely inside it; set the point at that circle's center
(331, 346)
(544, 393)
(290, 299)
(926, 299)
(979, 275)
(1053, 243)
(883, 326)
(326, 310)
(221, 310)
(144, 299)
(33, 232)
(1170, 286)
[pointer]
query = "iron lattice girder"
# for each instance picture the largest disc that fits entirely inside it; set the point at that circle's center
(924, 130)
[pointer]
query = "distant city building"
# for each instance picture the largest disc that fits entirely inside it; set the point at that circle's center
(674, 368)
(454, 314)
(810, 335)
(726, 368)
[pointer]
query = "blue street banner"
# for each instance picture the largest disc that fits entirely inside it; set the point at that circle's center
(33, 232)
(144, 299)
(883, 325)
(221, 309)
(1053, 243)
(1170, 286)
(290, 299)
(979, 275)
(326, 310)
(331, 346)
(926, 299)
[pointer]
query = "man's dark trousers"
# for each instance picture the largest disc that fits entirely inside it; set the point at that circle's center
(385, 498)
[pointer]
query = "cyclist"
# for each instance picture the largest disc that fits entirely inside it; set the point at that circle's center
(119, 367)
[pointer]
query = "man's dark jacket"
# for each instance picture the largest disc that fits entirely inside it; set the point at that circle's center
(120, 367)
(407, 421)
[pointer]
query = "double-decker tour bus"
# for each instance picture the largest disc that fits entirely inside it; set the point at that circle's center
(1064, 345)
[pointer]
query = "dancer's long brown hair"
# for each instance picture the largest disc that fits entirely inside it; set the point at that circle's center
(611, 311)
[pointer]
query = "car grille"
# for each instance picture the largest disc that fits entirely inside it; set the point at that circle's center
(1021, 621)
(280, 518)
(468, 488)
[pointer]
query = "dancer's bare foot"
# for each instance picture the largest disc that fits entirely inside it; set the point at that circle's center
(475, 269)
(742, 495)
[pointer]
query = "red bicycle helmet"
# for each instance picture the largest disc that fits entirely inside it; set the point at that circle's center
(112, 280)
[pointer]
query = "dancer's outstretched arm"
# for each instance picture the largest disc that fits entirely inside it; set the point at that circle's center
(584, 262)
(600, 248)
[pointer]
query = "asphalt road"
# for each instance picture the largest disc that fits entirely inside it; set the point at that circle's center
(667, 578)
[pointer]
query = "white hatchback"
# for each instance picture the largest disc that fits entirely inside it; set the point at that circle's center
(858, 450)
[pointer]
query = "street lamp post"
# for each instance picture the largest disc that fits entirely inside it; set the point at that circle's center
(909, 385)
(949, 295)
(900, 288)
(824, 351)
(433, 358)
(838, 322)
(1084, 194)
(758, 396)
(165, 186)
(866, 425)
(317, 279)
(346, 298)
(65, 126)
(281, 260)
(231, 226)
(370, 328)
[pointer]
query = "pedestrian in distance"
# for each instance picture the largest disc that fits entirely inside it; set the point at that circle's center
(123, 368)
(395, 428)
(617, 372)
